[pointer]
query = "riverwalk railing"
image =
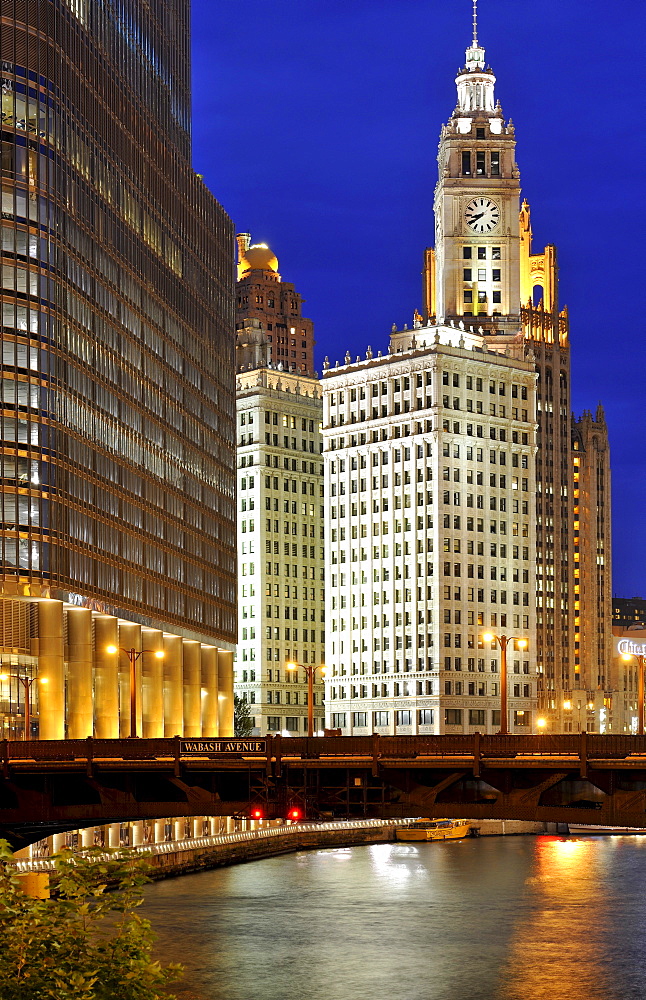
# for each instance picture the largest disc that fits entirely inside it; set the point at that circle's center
(220, 840)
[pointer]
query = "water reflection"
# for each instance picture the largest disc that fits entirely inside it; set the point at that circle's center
(562, 926)
(490, 919)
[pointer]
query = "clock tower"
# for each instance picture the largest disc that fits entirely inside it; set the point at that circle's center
(475, 269)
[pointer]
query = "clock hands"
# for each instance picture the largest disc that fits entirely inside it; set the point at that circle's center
(474, 218)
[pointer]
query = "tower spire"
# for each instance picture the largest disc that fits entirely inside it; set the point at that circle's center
(475, 52)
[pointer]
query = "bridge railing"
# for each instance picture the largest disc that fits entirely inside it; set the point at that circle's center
(590, 746)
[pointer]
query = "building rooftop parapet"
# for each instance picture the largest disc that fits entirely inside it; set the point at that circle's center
(409, 344)
(279, 381)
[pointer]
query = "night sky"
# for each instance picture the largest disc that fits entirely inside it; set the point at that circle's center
(316, 124)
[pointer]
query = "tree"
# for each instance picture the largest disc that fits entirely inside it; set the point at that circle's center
(85, 944)
(243, 722)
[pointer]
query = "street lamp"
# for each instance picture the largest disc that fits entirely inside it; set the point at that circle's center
(133, 655)
(27, 683)
(502, 641)
(310, 673)
(640, 685)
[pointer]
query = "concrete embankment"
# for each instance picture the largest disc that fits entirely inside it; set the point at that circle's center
(253, 849)
(199, 857)
(514, 827)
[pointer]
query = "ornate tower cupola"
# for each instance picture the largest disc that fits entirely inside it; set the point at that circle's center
(476, 81)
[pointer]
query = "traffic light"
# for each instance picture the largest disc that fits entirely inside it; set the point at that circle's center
(295, 813)
(257, 813)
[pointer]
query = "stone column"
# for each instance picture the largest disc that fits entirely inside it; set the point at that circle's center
(106, 678)
(178, 829)
(192, 689)
(129, 638)
(136, 833)
(225, 692)
(58, 843)
(79, 673)
(152, 673)
(159, 831)
(210, 724)
(113, 835)
(87, 837)
(173, 686)
(51, 667)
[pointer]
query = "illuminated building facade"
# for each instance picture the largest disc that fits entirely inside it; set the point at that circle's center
(280, 518)
(429, 477)
(628, 646)
(262, 295)
(280, 549)
(118, 409)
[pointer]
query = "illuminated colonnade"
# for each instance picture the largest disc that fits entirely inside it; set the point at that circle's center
(78, 668)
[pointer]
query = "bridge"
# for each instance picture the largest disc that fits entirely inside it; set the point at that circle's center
(50, 786)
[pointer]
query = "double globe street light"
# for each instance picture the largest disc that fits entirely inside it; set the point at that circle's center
(133, 655)
(310, 673)
(503, 641)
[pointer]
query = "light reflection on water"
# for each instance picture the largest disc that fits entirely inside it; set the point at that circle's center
(513, 918)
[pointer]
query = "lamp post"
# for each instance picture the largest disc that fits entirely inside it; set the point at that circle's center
(502, 641)
(640, 686)
(133, 655)
(27, 683)
(310, 673)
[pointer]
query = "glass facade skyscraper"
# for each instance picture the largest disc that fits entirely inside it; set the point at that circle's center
(118, 411)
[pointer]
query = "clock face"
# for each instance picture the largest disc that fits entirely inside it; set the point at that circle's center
(482, 215)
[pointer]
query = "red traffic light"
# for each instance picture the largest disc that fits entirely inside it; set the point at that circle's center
(257, 813)
(295, 813)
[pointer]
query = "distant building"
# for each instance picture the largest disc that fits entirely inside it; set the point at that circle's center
(263, 295)
(280, 517)
(628, 647)
(592, 551)
(628, 611)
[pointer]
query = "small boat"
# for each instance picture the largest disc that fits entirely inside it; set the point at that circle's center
(435, 829)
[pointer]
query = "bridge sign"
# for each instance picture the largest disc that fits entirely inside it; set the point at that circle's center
(207, 747)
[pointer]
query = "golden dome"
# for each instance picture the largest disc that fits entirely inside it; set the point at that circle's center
(259, 258)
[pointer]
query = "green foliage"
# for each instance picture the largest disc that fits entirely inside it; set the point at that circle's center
(85, 944)
(242, 719)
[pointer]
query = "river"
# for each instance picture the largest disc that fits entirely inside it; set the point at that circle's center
(500, 918)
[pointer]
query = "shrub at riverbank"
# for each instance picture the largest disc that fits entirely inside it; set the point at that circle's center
(84, 944)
